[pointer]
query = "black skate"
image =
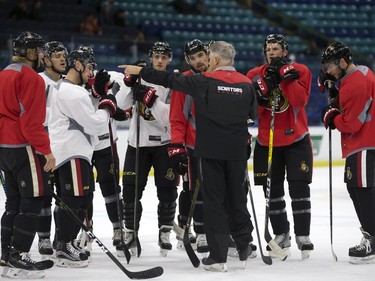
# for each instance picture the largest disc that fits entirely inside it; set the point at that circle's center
(202, 246)
(211, 265)
(129, 242)
(305, 246)
(244, 254)
(45, 248)
(68, 256)
(364, 252)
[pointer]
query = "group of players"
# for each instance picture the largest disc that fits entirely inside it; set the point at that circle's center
(59, 145)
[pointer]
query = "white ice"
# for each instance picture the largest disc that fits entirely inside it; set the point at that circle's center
(177, 266)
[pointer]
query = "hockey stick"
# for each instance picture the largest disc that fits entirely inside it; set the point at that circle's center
(187, 245)
(2, 179)
(115, 179)
(330, 94)
(136, 183)
(276, 249)
(145, 274)
(266, 259)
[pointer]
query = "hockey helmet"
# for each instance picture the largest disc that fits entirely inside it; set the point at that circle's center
(84, 54)
(161, 48)
(26, 40)
(194, 46)
(275, 39)
(54, 47)
(336, 51)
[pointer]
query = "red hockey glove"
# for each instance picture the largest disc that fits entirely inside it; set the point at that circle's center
(131, 80)
(282, 68)
(144, 94)
(100, 87)
(178, 157)
(324, 79)
(328, 115)
(108, 102)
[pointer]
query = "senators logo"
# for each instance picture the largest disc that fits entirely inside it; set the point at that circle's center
(304, 167)
(348, 173)
(282, 103)
(145, 112)
(170, 175)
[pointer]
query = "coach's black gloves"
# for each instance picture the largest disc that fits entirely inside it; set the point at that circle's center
(324, 79)
(131, 80)
(100, 87)
(178, 157)
(328, 115)
(145, 94)
(282, 68)
(122, 115)
(108, 102)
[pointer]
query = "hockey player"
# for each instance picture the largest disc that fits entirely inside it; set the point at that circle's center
(224, 99)
(154, 137)
(73, 125)
(181, 149)
(292, 148)
(54, 62)
(351, 111)
(25, 156)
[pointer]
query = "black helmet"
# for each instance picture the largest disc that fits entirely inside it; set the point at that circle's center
(336, 51)
(161, 48)
(26, 40)
(54, 47)
(84, 54)
(194, 46)
(275, 39)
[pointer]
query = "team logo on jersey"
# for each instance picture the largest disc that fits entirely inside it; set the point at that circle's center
(112, 169)
(170, 175)
(348, 173)
(145, 112)
(282, 102)
(304, 167)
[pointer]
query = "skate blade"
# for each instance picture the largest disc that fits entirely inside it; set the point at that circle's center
(244, 264)
(364, 260)
(205, 254)
(216, 267)
(72, 264)
(46, 257)
(164, 252)
(17, 273)
(132, 251)
(305, 254)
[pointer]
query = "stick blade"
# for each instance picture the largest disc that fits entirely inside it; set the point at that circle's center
(146, 274)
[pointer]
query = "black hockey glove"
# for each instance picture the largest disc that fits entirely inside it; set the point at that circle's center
(263, 86)
(282, 68)
(108, 102)
(323, 80)
(131, 80)
(145, 94)
(328, 115)
(249, 138)
(122, 115)
(100, 87)
(178, 157)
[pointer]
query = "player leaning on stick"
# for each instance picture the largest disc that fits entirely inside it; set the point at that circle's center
(73, 125)
(25, 155)
(352, 113)
(292, 152)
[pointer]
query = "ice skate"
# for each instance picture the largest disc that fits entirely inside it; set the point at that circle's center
(192, 238)
(364, 253)
(305, 246)
(244, 254)
(129, 242)
(283, 240)
(202, 246)
(212, 265)
(164, 242)
(68, 256)
(116, 238)
(45, 248)
(21, 266)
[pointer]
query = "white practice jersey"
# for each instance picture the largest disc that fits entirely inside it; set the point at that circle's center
(153, 123)
(50, 83)
(74, 123)
(103, 139)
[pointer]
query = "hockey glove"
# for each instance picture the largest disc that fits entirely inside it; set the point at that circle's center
(144, 94)
(131, 80)
(108, 102)
(263, 86)
(280, 67)
(328, 115)
(122, 115)
(178, 157)
(249, 137)
(100, 87)
(324, 79)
